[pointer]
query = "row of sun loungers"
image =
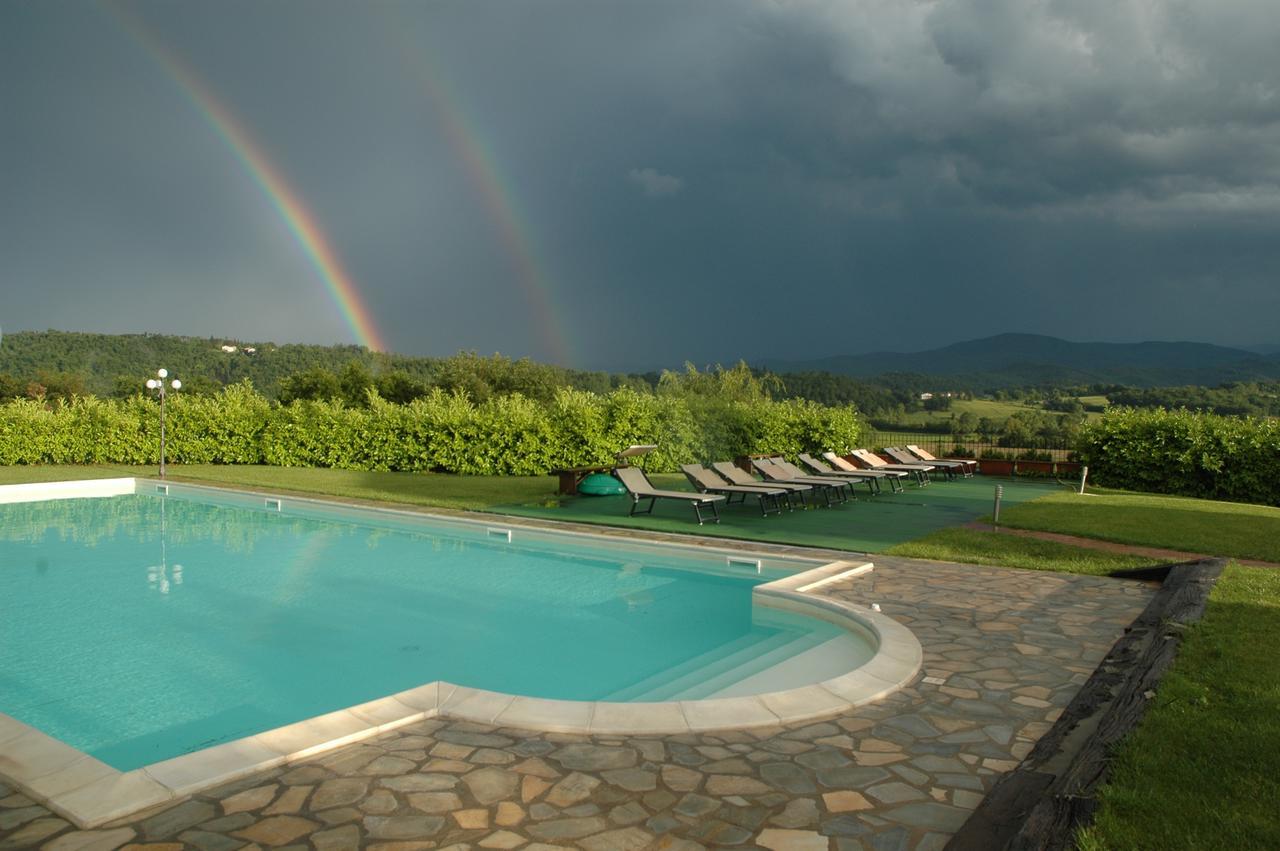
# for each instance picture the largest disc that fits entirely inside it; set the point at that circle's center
(784, 485)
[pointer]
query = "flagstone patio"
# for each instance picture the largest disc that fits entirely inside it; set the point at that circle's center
(1005, 651)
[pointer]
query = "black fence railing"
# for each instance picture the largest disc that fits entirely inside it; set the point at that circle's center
(1031, 448)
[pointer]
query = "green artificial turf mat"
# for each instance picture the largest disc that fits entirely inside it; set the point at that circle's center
(870, 524)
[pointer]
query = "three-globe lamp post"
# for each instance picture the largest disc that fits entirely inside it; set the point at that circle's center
(159, 386)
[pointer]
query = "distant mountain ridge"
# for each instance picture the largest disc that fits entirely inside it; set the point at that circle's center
(1008, 360)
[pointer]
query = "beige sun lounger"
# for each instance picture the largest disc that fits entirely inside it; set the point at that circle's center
(870, 479)
(874, 462)
(969, 466)
(873, 476)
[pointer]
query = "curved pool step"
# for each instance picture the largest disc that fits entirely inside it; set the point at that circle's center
(711, 663)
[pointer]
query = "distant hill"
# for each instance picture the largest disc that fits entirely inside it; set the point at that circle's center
(102, 358)
(1011, 360)
(116, 364)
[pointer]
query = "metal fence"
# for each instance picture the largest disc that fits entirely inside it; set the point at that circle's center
(945, 444)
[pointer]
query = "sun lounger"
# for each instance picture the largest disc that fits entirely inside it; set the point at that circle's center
(705, 481)
(873, 486)
(874, 462)
(826, 486)
(968, 465)
(893, 477)
(640, 488)
(902, 456)
(738, 476)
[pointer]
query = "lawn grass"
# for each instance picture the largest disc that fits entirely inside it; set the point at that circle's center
(1229, 529)
(998, 411)
(437, 490)
(971, 546)
(1203, 768)
(980, 408)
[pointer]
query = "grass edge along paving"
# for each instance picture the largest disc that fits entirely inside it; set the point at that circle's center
(1202, 770)
(1211, 527)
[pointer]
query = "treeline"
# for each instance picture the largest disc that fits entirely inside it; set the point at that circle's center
(691, 416)
(60, 365)
(1261, 399)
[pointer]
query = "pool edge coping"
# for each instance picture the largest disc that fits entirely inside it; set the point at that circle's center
(91, 793)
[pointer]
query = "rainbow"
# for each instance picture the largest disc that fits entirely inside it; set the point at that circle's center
(302, 225)
(500, 202)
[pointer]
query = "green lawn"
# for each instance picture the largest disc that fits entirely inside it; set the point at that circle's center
(1195, 525)
(971, 546)
(1203, 769)
(998, 411)
(437, 490)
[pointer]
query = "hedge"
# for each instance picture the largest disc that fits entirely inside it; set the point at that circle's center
(1184, 452)
(504, 435)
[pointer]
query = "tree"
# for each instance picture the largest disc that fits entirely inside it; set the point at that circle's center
(314, 383)
(355, 381)
(400, 387)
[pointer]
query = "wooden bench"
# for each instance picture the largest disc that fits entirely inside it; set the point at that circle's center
(570, 477)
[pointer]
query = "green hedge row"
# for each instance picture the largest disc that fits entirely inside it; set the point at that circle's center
(507, 435)
(1184, 452)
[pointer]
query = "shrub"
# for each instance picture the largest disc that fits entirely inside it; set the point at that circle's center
(1184, 452)
(507, 434)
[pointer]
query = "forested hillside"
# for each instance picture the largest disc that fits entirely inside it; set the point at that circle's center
(67, 363)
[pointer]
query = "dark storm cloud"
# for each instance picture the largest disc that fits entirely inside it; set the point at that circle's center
(730, 179)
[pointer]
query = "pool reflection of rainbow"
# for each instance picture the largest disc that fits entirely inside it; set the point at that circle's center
(297, 218)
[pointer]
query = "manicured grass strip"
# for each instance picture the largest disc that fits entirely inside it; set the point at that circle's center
(23, 474)
(438, 490)
(1203, 768)
(1205, 526)
(970, 546)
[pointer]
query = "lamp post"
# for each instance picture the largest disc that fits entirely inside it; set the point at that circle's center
(158, 385)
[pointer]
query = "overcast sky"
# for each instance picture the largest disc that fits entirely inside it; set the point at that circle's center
(618, 184)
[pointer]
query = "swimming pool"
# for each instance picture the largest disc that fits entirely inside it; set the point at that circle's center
(143, 621)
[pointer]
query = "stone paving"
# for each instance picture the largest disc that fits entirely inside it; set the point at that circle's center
(1004, 652)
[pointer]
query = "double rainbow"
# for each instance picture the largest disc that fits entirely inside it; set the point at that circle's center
(485, 174)
(299, 220)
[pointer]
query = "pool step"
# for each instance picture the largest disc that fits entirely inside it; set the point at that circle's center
(730, 654)
(831, 658)
(720, 668)
(726, 676)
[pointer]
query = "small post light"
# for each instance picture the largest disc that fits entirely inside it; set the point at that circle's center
(995, 514)
(1084, 476)
(159, 386)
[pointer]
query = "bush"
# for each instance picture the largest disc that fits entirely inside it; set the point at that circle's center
(446, 431)
(1186, 453)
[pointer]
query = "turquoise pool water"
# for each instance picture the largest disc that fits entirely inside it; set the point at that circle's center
(140, 627)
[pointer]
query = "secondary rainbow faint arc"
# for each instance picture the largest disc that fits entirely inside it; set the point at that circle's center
(295, 215)
(499, 199)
